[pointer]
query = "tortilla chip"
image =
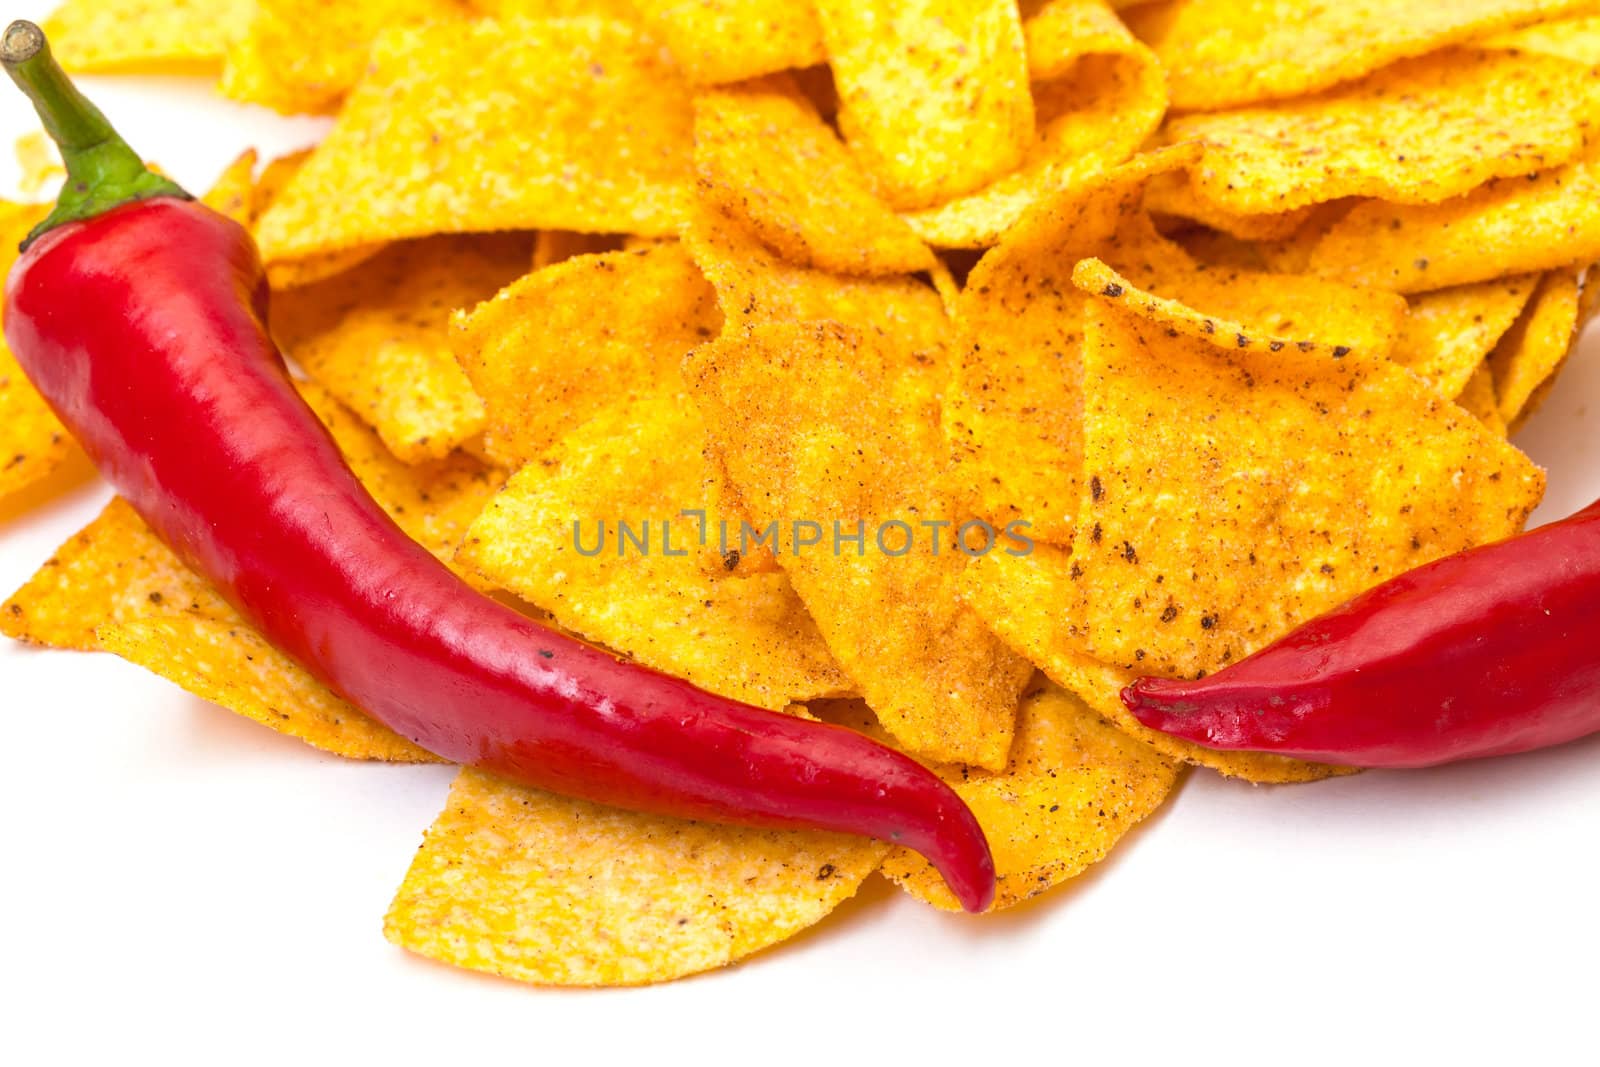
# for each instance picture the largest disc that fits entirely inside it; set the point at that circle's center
(721, 41)
(1577, 39)
(288, 273)
(32, 441)
(565, 343)
(1013, 411)
(1449, 333)
(1022, 598)
(1421, 131)
(167, 36)
(1108, 98)
(1478, 400)
(765, 155)
(1226, 53)
(753, 286)
(305, 55)
(822, 423)
(554, 537)
(229, 664)
(1074, 786)
(538, 888)
(1510, 226)
(234, 193)
(377, 337)
(416, 151)
(1200, 539)
(933, 95)
(1533, 350)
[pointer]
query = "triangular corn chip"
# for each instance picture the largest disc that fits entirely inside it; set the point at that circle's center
(1104, 96)
(836, 427)
(567, 342)
(537, 888)
(590, 130)
(764, 154)
(603, 534)
(933, 95)
(377, 336)
(1202, 538)
(1224, 53)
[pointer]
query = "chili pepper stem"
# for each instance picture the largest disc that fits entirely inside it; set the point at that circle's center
(102, 171)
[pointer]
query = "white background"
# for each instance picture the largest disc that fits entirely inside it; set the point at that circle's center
(179, 881)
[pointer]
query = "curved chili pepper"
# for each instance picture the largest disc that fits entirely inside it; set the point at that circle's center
(140, 315)
(1484, 653)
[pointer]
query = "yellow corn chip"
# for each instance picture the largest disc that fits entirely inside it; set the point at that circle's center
(38, 161)
(234, 193)
(288, 273)
(1108, 98)
(1449, 333)
(567, 342)
(721, 41)
(1575, 38)
(933, 94)
(227, 663)
(1510, 226)
(1073, 787)
(305, 55)
(1201, 539)
(1418, 132)
(377, 337)
(600, 533)
(1224, 53)
(32, 441)
(823, 424)
(1532, 351)
(1022, 598)
(1477, 399)
(764, 155)
(145, 35)
(1014, 409)
(753, 286)
(538, 888)
(590, 130)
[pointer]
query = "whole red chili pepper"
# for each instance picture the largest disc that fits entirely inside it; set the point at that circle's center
(140, 315)
(1491, 651)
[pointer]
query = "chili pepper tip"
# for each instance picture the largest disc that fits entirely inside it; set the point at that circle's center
(23, 40)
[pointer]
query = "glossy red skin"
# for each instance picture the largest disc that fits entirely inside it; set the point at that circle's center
(1488, 652)
(144, 329)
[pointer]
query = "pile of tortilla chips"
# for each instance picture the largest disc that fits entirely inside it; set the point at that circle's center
(1201, 316)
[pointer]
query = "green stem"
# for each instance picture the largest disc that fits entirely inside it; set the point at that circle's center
(102, 171)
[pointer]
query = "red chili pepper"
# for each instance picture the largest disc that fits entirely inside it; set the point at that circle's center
(140, 315)
(1484, 653)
